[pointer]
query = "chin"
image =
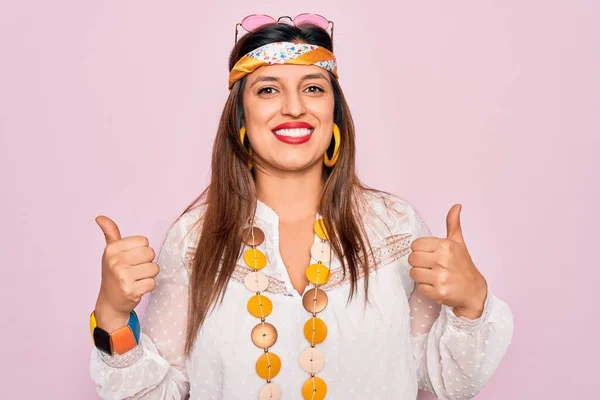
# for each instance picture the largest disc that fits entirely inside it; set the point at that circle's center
(297, 165)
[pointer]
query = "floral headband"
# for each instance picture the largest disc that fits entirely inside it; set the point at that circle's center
(283, 53)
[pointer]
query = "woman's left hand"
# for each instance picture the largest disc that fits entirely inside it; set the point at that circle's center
(444, 271)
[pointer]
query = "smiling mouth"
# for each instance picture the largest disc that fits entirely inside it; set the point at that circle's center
(296, 132)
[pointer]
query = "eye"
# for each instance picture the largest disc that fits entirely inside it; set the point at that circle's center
(267, 90)
(314, 89)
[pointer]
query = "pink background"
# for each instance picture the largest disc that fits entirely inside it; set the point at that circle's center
(111, 108)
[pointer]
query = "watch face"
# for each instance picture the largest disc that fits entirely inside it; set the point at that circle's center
(102, 341)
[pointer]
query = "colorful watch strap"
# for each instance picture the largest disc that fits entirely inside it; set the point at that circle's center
(123, 340)
(102, 340)
(120, 341)
(134, 324)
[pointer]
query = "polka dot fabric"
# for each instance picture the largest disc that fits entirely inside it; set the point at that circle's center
(398, 342)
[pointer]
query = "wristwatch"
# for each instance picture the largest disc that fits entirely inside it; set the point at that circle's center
(119, 341)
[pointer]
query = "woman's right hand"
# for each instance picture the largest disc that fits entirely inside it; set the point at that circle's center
(127, 274)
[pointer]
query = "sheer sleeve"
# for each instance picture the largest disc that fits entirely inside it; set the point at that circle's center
(455, 357)
(155, 369)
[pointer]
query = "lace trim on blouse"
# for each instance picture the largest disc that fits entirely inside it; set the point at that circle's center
(123, 360)
(470, 325)
(389, 250)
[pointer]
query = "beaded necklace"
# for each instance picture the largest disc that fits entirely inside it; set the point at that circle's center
(264, 334)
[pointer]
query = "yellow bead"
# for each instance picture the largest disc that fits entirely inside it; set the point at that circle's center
(320, 229)
(314, 388)
(268, 365)
(260, 306)
(317, 274)
(255, 258)
(315, 330)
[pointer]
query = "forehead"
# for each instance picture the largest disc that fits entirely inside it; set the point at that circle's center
(291, 73)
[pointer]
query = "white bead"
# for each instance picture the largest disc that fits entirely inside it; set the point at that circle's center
(270, 391)
(312, 360)
(321, 251)
(256, 281)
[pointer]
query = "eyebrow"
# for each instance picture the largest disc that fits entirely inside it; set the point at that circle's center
(265, 78)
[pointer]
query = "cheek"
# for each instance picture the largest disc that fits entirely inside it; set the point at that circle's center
(323, 110)
(258, 116)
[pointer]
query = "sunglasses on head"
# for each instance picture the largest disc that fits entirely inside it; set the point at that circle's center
(256, 21)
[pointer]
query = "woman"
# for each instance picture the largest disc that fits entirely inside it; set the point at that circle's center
(288, 278)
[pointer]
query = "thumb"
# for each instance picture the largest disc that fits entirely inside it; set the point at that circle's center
(109, 228)
(453, 227)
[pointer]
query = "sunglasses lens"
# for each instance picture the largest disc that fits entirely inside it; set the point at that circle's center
(312, 19)
(253, 22)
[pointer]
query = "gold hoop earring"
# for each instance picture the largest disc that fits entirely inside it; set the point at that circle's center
(242, 137)
(336, 148)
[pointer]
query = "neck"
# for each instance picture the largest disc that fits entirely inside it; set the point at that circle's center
(294, 195)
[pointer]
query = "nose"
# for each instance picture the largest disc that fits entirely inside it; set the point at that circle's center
(292, 104)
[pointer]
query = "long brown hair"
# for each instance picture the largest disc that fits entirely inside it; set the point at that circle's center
(230, 197)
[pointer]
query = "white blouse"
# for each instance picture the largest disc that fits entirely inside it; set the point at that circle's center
(387, 349)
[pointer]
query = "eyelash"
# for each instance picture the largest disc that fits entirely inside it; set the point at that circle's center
(319, 90)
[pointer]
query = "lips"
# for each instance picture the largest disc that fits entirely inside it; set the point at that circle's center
(296, 132)
(293, 125)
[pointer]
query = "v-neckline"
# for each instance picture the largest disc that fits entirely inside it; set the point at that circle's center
(269, 215)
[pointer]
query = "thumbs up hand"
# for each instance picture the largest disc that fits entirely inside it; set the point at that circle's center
(127, 274)
(444, 271)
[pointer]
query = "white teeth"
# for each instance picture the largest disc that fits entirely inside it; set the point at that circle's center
(293, 132)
